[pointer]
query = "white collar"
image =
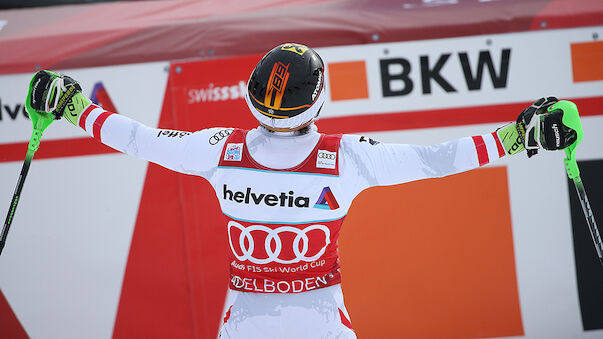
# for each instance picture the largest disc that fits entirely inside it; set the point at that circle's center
(310, 129)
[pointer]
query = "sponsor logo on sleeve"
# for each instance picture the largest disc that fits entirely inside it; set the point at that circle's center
(326, 159)
(233, 152)
(221, 134)
(172, 134)
(369, 140)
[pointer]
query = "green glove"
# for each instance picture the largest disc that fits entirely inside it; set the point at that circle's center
(59, 95)
(510, 138)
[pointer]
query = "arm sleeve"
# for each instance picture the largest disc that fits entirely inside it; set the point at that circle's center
(194, 153)
(368, 163)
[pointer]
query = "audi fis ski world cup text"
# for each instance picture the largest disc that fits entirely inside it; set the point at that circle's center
(281, 269)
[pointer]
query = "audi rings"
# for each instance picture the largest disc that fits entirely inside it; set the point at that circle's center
(327, 155)
(221, 134)
(272, 235)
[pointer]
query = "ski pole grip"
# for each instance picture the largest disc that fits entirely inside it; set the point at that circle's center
(571, 119)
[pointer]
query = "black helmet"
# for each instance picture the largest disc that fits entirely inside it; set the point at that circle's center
(286, 88)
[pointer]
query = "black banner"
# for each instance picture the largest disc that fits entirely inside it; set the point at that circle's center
(588, 269)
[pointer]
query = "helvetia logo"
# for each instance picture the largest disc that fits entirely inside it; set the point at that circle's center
(284, 199)
(326, 200)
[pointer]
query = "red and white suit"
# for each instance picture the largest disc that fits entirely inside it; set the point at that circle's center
(284, 197)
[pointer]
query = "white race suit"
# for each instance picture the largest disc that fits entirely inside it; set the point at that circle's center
(284, 197)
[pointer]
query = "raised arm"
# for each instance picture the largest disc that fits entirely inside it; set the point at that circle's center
(369, 163)
(379, 164)
(186, 152)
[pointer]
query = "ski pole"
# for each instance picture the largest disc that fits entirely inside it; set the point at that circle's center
(571, 119)
(40, 121)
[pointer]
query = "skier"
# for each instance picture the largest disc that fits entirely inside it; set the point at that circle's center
(285, 189)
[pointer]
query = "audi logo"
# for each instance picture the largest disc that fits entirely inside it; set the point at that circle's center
(327, 156)
(214, 139)
(249, 235)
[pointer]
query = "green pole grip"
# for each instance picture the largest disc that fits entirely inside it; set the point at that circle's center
(571, 119)
(39, 119)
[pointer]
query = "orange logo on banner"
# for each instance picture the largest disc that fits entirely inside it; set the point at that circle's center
(295, 48)
(586, 61)
(348, 80)
(420, 260)
(276, 88)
